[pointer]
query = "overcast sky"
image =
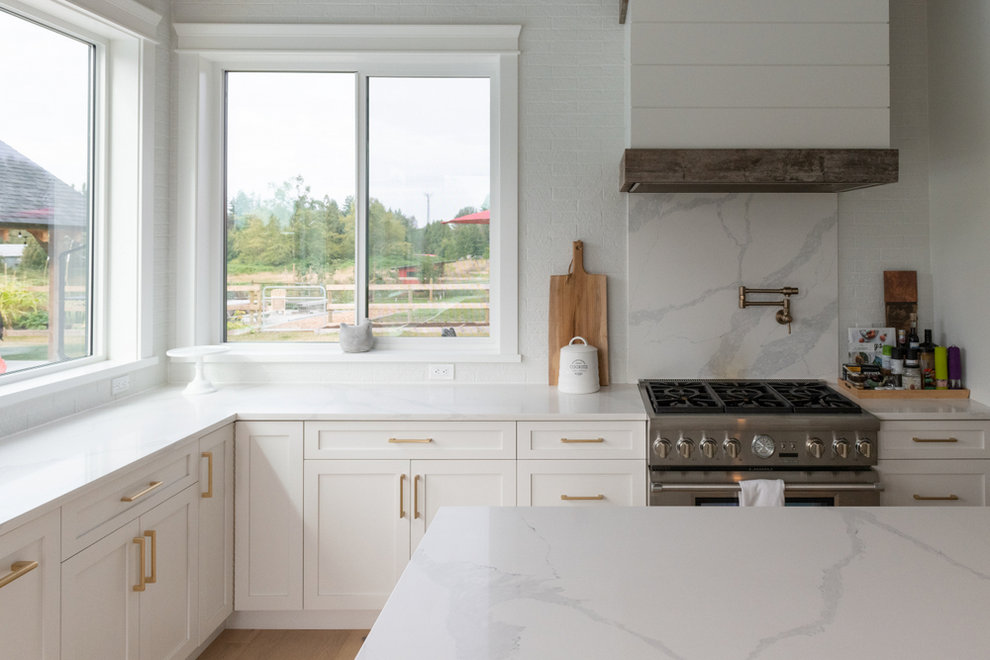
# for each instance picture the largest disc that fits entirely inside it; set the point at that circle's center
(427, 136)
(44, 82)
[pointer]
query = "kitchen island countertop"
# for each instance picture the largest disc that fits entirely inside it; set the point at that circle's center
(688, 583)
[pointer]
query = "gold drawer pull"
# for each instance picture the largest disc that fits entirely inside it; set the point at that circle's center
(208, 455)
(421, 441)
(153, 485)
(141, 565)
(18, 569)
(580, 440)
(935, 439)
(416, 496)
(151, 579)
(574, 498)
(944, 498)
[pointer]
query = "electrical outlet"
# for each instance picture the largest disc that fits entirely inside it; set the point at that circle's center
(119, 385)
(440, 372)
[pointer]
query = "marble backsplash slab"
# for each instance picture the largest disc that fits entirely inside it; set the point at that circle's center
(688, 255)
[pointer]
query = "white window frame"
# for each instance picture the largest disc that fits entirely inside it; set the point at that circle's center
(206, 51)
(123, 32)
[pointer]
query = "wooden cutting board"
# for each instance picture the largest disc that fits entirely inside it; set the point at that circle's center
(578, 308)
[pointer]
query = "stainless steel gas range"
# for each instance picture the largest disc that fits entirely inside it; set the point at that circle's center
(707, 435)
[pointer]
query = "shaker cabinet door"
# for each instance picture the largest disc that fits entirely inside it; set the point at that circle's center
(168, 620)
(357, 532)
(100, 615)
(29, 589)
(458, 483)
(268, 529)
(216, 530)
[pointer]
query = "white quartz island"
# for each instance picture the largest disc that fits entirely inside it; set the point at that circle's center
(689, 583)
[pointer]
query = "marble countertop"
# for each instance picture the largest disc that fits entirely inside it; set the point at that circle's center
(920, 408)
(42, 467)
(926, 409)
(692, 584)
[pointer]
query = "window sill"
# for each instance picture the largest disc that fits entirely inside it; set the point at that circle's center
(332, 353)
(66, 379)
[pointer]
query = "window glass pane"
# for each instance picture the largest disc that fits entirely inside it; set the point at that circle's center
(290, 190)
(428, 187)
(45, 209)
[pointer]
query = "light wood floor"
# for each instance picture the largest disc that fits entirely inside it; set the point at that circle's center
(285, 645)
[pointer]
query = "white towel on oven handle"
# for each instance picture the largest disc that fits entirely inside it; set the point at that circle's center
(761, 492)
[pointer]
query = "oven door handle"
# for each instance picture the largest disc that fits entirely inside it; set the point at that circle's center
(677, 488)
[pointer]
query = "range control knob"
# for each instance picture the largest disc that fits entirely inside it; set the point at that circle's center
(709, 448)
(731, 447)
(864, 447)
(661, 446)
(841, 448)
(816, 447)
(684, 447)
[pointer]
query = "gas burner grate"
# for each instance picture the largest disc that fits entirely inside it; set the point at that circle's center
(813, 397)
(745, 397)
(674, 396)
(748, 397)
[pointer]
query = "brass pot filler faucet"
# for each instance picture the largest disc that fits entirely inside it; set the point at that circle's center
(783, 314)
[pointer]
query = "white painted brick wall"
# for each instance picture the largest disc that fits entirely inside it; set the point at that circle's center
(886, 227)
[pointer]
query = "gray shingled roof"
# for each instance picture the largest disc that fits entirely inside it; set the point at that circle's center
(31, 196)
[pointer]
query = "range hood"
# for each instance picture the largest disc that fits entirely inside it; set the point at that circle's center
(755, 170)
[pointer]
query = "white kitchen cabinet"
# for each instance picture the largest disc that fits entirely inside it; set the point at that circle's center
(216, 530)
(132, 594)
(947, 439)
(581, 483)
(268, 516)
(934, 462)
(581, 463)
(357, 531)
(365, 517)
(582, 439)
(29, 589)
(430, 439)
(90, 517)
(934, 482)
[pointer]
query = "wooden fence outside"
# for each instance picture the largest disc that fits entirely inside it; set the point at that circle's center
(254, 304)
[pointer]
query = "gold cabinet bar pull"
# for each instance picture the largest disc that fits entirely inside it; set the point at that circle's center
(151, 579)
(574, 498)
(935, 439)
(416, 496)
(580, 440)
(208, 455)
(151, 486)
(141, 565)
(401, 441)
(943, 498)
(402, 489)
(17, 569)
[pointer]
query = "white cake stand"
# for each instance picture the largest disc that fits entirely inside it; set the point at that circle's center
(199, 384)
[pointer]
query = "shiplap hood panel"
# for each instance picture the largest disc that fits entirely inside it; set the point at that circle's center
(758, 95)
